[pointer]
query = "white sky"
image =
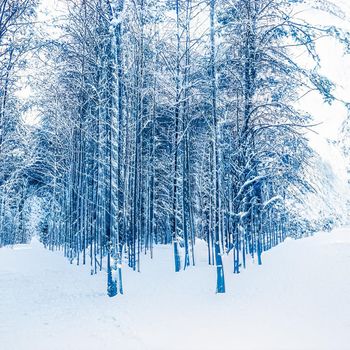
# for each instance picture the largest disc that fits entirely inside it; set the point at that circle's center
(335, 66)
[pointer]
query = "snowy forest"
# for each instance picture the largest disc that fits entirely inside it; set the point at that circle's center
(132, 126)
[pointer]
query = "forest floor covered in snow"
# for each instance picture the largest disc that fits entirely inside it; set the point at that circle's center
(298, 299)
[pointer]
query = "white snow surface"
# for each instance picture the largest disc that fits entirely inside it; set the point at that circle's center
(298, 299)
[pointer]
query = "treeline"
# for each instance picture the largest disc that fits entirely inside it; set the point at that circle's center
(167, 121)
(16, 40)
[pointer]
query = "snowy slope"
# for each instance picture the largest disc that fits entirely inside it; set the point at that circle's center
(299, 299)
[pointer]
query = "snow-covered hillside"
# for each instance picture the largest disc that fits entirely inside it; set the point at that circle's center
(298, 300)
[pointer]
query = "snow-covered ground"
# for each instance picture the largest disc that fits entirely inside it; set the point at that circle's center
(299, 299)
